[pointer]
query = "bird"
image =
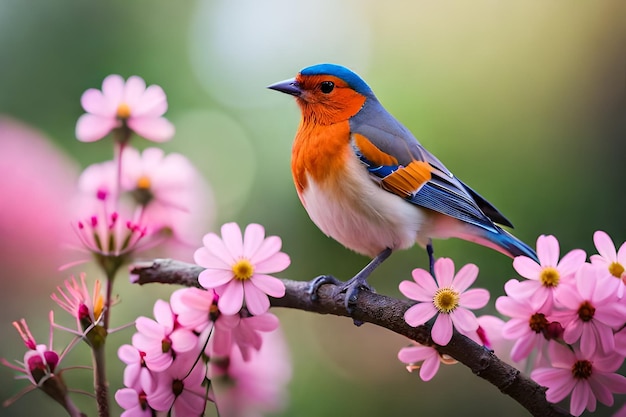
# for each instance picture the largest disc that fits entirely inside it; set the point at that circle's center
(368, 183)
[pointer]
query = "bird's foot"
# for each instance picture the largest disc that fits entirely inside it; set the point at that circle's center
(351, 289)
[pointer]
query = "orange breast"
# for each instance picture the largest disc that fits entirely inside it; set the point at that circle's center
(319, 152)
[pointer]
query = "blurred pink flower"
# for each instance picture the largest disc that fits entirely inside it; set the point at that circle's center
(528, 324)
(256, 386)
(586, 378)
(169, 190)
(446, 297)
(162, 339)
(237, 268)
(244, 333)
(428, 355)
(124, 104)
(34, 173)
(180, 387)
(610, 261)
(97, 183)
(592, 311)
(544, 277)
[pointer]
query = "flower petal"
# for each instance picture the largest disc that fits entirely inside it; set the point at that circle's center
(269, 285)
(429, 368)
(133, 90)
(444, 272)
(465, 277)
(415, 291)
(425, 280)
(91, 128)
(270, 246)
(93, 101)
(276, 263)
(214, 278)
(233, 239)
(231, 298)
(442, 329)
(526, 267)
(572, 260)
(207, 259)
(548, 250)
(113, 88)
(604, 245)
(419, 314)
(256, 300)
(155, 129)
(464, 320)
(253, 239)
(474, 298)
(152, 103)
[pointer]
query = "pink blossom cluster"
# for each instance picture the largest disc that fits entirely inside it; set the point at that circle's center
(194, 351)
(567, 319)
(138, 200)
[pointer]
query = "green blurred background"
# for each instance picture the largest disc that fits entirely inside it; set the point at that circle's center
(522, 100)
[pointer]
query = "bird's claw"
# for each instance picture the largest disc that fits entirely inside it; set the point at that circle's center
(316, 283)
(351, 289)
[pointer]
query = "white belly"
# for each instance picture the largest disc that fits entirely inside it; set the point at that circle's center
(359, 214)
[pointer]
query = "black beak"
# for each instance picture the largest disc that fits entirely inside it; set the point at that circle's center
(289, 86)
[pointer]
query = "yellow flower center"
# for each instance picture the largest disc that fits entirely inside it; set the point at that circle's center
(123, 111)
(243, 270)
(144, 182)
(446, 300)
(549, 277)
(616, 269)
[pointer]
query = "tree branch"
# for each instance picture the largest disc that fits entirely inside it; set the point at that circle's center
(382, 311)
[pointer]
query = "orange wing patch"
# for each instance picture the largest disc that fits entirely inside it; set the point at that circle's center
(372, 153)
(407, 180)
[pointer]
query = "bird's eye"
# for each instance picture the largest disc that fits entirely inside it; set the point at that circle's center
(327, 86)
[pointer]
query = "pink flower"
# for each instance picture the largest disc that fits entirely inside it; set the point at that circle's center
(98, 182)
(237, 268)
(528, 325)
(195, 308)
(40, 367)
(111, 238)
(446, 297)
(612, 262)
(252, 387)
(592, 312)
(169, 191)
(544, 277)
(245, 333)
(34, 173)
(586, 378)
(430, 357)
(162, 339)
(133, 402)
(127, 105)
(136, 374)
(87, 309)
(180, 387)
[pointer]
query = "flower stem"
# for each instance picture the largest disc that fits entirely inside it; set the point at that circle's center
(101, 385)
